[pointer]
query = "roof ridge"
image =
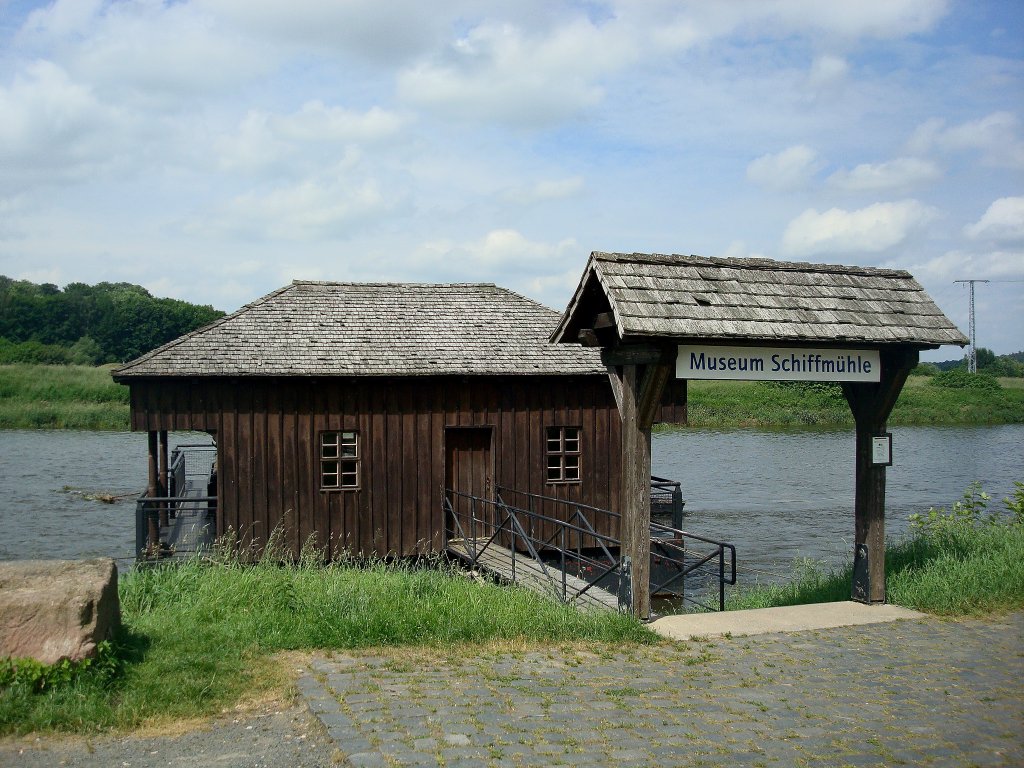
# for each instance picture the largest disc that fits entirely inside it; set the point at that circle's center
(394, 284)
(736, 262)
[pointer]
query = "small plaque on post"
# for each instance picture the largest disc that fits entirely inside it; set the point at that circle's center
(881, 450)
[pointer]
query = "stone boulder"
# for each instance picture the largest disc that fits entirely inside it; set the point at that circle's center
(57, 609)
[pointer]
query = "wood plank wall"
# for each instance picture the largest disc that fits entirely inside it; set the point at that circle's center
(267, 433)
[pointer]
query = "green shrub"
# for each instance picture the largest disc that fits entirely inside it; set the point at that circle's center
(959, 378)
(38, 677)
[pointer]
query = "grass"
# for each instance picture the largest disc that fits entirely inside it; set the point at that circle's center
(769, 404)
(966, 561)
(61, 397)
(200, 636)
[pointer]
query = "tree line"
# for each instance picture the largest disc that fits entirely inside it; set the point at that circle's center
(89, 324)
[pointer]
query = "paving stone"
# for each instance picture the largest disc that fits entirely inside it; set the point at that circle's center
(925, 692)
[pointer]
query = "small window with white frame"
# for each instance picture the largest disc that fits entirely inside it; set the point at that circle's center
(564, 454)
(339, 460)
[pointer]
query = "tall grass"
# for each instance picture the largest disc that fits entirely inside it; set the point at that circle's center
(964, 561)
(782, 404)
(61, 397)
(200, 635)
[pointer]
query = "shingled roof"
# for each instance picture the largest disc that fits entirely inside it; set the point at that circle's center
(373, 329)
(698, 298)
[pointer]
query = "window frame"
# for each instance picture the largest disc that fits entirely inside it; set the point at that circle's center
(562, 458)
(340, 448)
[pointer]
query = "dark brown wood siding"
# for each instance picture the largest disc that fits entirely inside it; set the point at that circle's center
(268, 433)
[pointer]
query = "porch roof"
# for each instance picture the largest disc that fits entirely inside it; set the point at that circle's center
(753, 300)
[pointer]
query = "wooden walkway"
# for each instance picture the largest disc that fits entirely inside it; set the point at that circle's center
(192, 529)
(521, 568)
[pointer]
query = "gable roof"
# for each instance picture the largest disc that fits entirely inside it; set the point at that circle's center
(698, 298)
(373, 329)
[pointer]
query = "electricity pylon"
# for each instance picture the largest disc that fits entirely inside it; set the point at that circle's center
(972, 357)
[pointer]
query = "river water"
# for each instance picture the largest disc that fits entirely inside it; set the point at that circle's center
(779, 496)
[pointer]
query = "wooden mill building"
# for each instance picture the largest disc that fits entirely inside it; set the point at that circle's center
(343, 410)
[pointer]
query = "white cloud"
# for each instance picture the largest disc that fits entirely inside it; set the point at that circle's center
(54, 128)
(699, 21)
(502, 255)
(792, 168)
(308, 210)
(306, 138)
(1003, 222)
(388, 33)
(738, 249)
(901, 173)
(827, 72)
(498, 72)
(150, 52)
(962, 265)
(545, 190)
(872, 229)
(996, 136)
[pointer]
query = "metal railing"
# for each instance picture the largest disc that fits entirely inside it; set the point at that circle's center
(492, 524)
(570, 541)
(185, 519)
(667, 500)
(188, 462)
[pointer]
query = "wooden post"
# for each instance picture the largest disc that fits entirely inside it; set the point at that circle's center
(152, 491)
(163, 475)
(871, 405)
(638, 389)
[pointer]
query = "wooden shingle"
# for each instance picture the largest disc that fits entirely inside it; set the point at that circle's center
(374, 329)
(695, 298)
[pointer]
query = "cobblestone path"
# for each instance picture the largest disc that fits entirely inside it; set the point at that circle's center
(928, 692)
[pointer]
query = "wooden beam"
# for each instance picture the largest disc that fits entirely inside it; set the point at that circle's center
(632, 354)
(871, 404)
(604, 320)
(163, 476)
(152, 489)
(615, 379)
(652, 389)
(588, 338)
(638, 389)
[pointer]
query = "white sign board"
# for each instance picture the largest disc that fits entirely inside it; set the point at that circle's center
(881, 450)
(777, 363)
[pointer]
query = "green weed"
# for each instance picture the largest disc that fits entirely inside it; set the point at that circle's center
(967, 560)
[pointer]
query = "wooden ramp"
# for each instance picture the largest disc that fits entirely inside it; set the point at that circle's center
(520, 568)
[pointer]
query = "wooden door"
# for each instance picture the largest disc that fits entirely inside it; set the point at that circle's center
(469, 471)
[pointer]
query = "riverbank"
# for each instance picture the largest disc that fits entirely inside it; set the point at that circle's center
(61, 397)
(729, 404)
(82, 397)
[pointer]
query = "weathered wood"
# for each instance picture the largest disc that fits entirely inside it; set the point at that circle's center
(632, 354)
(692, 297)
(636, 497)
(652, 387)
(152, 491)
(871, 404)
(164, 488)
(526, 571)
(269, 460)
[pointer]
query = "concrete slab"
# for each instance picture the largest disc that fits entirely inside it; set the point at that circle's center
(796, 618)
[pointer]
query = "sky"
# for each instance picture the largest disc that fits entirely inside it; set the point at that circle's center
(215, 150)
